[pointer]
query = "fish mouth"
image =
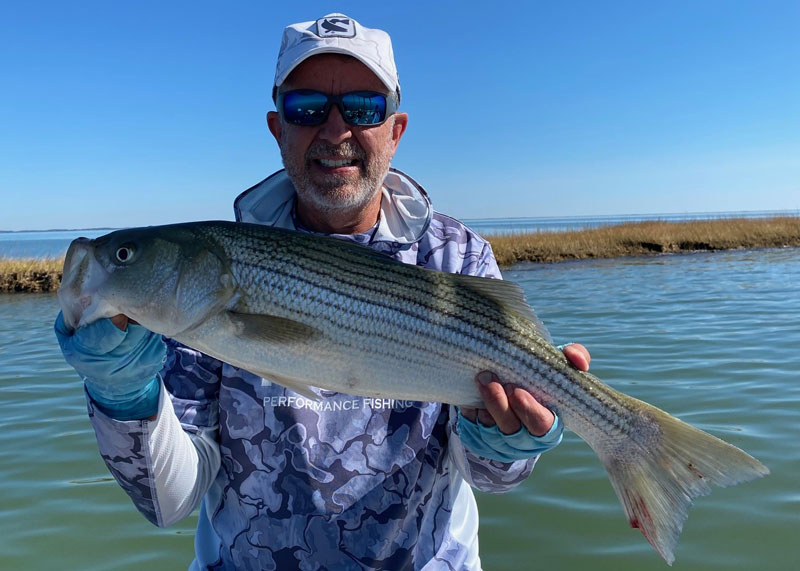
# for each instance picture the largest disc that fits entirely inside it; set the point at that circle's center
(81, 278)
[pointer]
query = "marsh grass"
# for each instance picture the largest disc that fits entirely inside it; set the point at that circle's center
(44, 274)
(647, 238)
(30, 274)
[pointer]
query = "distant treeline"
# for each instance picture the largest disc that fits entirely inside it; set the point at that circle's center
(636, 239)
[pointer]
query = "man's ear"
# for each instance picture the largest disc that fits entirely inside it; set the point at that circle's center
(398, 128)
(274, 124)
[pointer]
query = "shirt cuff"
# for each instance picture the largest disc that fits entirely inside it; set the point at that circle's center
(489, 442)
(140, 406)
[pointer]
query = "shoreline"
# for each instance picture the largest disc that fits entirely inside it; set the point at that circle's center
(647, 238)
(30, 275)
(43, 275)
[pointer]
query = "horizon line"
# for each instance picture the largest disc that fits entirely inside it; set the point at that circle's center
(721, 213)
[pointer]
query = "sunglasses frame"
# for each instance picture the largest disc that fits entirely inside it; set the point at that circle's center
(391, 106)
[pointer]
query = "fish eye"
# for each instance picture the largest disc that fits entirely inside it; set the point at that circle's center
(124, 253)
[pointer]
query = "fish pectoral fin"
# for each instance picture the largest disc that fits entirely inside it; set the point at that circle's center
(270, 328)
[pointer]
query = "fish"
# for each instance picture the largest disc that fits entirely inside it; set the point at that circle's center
(306, 310)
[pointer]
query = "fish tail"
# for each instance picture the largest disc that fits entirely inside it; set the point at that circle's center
(657, 477)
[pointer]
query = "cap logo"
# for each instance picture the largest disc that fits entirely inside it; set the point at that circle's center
(336, 28)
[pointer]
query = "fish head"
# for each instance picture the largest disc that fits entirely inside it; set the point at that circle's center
(167, 278)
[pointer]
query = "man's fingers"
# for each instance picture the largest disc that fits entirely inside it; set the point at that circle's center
(538, 419)
(510, 407)
(578, 355)
(477, 415)
(497, 406)
(120, 321)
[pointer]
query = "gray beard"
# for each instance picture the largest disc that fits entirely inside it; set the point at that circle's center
(337, 194)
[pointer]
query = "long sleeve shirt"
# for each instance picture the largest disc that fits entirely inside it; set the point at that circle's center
(288, 482)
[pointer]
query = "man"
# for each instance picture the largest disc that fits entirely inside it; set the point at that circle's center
(335, 482)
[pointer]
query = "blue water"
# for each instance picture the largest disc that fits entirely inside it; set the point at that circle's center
(714, 338)
(55, 243)
(46, 244)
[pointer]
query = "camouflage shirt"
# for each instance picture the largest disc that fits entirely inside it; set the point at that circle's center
(287, 482)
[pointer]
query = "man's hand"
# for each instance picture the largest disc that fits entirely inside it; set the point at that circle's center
(512, 407)
(119, 362)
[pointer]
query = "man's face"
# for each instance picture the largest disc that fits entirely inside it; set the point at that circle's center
(336, 166)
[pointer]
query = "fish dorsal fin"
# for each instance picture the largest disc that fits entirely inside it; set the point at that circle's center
(507, 295)
(270, 328)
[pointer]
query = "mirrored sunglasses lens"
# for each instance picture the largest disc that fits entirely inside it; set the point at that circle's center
(304, 108)
(364, 108)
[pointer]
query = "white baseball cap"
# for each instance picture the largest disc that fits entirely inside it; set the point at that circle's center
(337, 34)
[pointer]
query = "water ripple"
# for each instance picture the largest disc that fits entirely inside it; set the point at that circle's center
(711, 337)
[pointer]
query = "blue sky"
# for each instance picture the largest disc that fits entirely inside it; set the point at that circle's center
(137, 113)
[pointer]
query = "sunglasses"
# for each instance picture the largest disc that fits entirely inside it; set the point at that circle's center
(360, 108)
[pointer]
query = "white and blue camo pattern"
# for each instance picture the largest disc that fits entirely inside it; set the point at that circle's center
(344, 482)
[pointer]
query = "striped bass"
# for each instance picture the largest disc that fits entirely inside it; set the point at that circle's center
(306, 310)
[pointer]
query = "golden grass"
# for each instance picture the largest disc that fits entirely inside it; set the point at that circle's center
(647, 238)
(30, 274)
(44, 275)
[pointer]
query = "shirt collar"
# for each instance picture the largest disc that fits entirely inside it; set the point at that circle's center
(406, 210)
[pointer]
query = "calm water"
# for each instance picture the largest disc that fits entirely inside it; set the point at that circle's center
(55, 243)
(711, 337)
(49, 244)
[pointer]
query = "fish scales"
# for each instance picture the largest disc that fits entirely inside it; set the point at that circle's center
(325, 266)
(392, 339)
(377, 287)
(496, 331)
(290, 304)
(309, 311)
(491, 329)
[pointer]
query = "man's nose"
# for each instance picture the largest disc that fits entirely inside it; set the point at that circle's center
(335, 130)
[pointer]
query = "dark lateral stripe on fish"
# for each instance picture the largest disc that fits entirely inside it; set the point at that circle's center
(423, 311)
(349, 262)
(366, 281)
(599, 406)
(467, 333)
(490, 339)
(369, 283)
